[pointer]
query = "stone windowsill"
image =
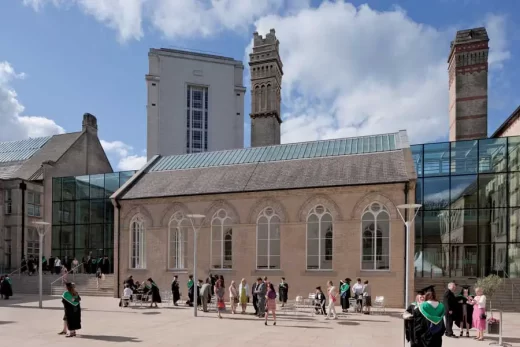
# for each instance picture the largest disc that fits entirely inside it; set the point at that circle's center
(266, 272)
(317, 273)
(375, 273)
(177, 271)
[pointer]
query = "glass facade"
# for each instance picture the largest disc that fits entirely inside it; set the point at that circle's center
(83, 215)
(469, 223)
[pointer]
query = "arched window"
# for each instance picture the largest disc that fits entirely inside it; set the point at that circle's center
(221, 241)
(263, 98)
(137, 243)
(375, 238)
(268, 240)
(256, 99)
(269, 92)
(177, 241)
(320, 238)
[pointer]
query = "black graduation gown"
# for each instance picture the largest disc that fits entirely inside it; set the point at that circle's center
(422, 335)
(72, 313)
(463, 301)
(319, 303)
(6, 289)
(409, 325)
(283, 291)
(156, 294)
(175, 291)
(105, 267)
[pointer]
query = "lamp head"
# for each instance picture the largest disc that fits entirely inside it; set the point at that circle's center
(409, 206)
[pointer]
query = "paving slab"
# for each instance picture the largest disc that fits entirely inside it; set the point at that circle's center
(22, 323)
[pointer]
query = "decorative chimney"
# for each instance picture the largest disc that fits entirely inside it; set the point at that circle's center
(89, 122)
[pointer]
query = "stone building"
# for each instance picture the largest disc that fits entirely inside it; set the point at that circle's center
(26, 171)
(310, 212)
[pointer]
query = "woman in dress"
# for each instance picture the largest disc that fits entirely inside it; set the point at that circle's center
(465, 311)
(243, 289)
(156, 294)
(331, 290)
(270, 305)
(219, 293)
(479, 313)
(233, 297)
(72, 318)
(428, 322)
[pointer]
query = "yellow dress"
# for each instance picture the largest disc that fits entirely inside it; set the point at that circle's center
(243, 296)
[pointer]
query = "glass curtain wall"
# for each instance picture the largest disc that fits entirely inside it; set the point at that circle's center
(83, 215)
(468, 225)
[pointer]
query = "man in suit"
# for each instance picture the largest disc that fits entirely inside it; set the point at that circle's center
(450, 307)
(261, 291)
(255, 298)
(205, 294)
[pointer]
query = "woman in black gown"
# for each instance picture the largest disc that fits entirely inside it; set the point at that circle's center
(156, 294)
(72, 317)
(428, 322)
(464, 311)
(6, 288)
(409, 318)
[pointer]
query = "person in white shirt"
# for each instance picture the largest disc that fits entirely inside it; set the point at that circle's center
(367, 297)
(127, 294)
(479, 312)
(332, 301)
(357, 290)
(57, 266)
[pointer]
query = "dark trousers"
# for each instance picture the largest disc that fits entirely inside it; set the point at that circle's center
(57, 270)
(344, 303)
(255, 303)
(449, 324)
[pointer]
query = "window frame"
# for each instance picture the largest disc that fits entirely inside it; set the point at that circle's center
(8, 201)
(33, 207)
(33, 243)
(179, 229)
(141, 257)
(263, 214)
(374, 254)
(321, 239)
(196, 106)
(223, 235)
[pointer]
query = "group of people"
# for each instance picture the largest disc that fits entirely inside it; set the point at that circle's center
(58, 266)
(427, 320)
(360, 291)
(6, 287)
(142, 291)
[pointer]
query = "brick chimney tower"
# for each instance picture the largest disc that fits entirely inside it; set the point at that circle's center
(468, 84)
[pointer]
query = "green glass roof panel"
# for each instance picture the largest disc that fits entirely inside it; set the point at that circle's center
(306, 150)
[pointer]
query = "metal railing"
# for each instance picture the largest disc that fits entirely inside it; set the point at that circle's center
(513, 286)
(72, 271)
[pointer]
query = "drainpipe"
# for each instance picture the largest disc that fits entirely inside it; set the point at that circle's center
(23, 188)
(406, 189)
(118, 218)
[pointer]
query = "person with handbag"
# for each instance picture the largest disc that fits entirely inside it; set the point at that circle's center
(219, 292)
(479, 313)
(233, 297)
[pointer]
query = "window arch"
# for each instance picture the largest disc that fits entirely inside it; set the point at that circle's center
(375, 238)
(137, 243)
(221, 241)
(320, 238)
(263, 98)
(268, 240)
(177, 241)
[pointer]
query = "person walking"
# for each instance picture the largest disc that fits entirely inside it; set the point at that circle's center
(332, 301)
(205, 293)
(71, 304)
(243, 289)
(271, 303)
(450, 305)
(479, 313)
(175, 290)
(261, 291)
(283, 291)
(219, 292)
(233, 297)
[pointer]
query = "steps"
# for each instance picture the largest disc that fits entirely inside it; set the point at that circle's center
(506, 298)
(86, 285)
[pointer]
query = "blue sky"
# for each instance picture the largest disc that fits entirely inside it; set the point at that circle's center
(351, 68)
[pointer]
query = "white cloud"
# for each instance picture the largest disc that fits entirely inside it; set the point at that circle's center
(355, 71)
(15, 125)
(496, 27)
(122, 153)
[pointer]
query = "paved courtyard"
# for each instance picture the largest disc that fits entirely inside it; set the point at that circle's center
(22, 323)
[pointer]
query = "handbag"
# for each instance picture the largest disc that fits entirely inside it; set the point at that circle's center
(483, 316)
(235, 300)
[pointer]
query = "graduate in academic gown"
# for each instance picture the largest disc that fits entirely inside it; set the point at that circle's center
(344, 292)
(72, 318)
(176, 294)
(409, 319)
(6, 287)
(156, 293)
(464, 311)
(283, 291)
(428, 322)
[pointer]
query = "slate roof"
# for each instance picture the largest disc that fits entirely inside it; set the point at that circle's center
(328, 170)
(23, 159)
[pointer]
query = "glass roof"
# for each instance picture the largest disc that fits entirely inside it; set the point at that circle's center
(21, 150)
(291, 151)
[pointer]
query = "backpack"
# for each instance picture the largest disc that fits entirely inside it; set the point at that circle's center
(435, 329)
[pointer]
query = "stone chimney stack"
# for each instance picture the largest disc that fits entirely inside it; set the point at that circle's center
(90, 123)
(468, 84)
(266, 83)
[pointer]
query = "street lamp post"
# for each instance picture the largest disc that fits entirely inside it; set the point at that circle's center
(196, 227)
(407, 223)
(42, 229)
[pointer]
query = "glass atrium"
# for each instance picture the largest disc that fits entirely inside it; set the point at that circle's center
(83, 215)
(468, 225)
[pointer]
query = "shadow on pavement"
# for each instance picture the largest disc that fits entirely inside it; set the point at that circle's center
(108, 338)
(303, 326)
(6, 322)
(504, 339)
(151, 313)
(348, 323)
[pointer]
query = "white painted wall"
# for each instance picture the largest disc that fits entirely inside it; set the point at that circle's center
(172, 71)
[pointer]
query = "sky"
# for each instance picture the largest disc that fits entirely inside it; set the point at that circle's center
(351, 68)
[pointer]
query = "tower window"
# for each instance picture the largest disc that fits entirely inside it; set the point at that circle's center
(197, 127)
